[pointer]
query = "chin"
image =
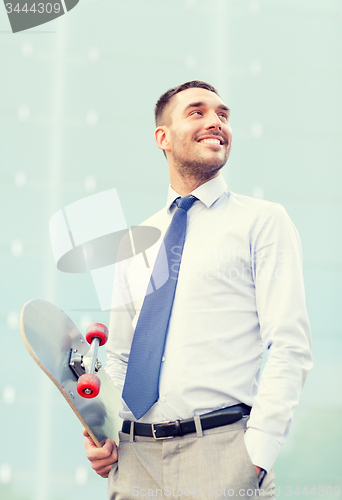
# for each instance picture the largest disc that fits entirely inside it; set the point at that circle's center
(202, 166)
(207, 170)
(213, 162)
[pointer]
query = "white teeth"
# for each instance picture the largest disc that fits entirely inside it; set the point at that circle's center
(210, 141)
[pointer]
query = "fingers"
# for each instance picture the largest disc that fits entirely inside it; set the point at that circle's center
(104, 472)
(85, 432)
(107, 452)
(101, 459)
(257, 470)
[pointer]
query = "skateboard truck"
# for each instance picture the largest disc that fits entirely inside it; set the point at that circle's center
(84, 367)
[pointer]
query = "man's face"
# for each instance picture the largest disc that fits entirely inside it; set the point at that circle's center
(198, 131)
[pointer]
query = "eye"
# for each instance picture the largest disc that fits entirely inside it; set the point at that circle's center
(196, 113)
(223, 116)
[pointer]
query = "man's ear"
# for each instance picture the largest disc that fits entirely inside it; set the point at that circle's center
(161, 136)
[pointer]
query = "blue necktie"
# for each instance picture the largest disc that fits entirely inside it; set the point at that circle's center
(141, 391)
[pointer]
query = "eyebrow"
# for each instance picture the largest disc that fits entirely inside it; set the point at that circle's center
(200, 104)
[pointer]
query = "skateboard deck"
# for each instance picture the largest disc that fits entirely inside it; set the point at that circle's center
(52, 339)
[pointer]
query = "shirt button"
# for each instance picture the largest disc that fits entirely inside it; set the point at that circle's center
(163, 358)
(163, 399)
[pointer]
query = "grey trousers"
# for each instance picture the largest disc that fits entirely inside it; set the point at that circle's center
(212, 464)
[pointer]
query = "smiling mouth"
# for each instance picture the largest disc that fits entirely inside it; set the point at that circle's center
(217, 142)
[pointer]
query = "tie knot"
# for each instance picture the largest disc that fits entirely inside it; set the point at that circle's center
(186, 202)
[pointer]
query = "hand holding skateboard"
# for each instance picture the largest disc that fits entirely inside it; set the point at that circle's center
(101, 459)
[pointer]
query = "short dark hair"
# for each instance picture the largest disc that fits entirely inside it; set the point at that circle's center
(166, 98)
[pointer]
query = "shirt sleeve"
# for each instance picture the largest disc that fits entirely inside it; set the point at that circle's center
(285, 332)
(120, 328)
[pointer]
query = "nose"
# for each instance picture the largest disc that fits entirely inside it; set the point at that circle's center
(213, 121)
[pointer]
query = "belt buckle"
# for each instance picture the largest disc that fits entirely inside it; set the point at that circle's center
(155, 430)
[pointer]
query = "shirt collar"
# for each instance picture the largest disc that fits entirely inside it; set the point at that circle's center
(207, 193)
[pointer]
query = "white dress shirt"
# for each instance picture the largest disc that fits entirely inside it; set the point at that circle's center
(240, 291)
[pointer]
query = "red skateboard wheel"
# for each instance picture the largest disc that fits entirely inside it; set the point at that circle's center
(88, 385)
(97, 330)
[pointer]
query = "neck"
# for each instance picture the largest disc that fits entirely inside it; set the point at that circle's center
(185, 185)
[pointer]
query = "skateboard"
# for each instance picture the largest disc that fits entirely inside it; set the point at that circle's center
(60, 350)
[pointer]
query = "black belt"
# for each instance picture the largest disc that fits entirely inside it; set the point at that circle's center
(165, 430)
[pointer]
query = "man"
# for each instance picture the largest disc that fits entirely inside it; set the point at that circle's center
(239, 290)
